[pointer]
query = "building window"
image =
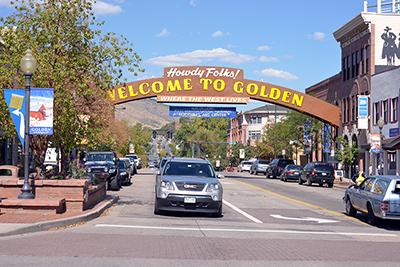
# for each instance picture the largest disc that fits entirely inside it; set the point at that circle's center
(348, 109)
(344, 68)
(394, 105)
(385, 111)
(255, 135)
(353, 65)
(344, 111)
(353, 108)
(357, 63)
(259, 121)
(376, 112)
(362, 61)
(348, 67)
(367, 51)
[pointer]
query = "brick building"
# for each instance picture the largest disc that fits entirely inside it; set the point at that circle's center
(368, 46)
(248, 126)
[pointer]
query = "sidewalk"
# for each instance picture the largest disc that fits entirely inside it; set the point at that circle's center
(344, 183)
(22, 223)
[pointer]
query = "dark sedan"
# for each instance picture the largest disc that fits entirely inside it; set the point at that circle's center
(291, 172)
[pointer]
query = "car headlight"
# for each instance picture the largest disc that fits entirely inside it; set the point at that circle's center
(213, 187)
(89, 170)
(106, 169)
(167, 185)
(112, 170)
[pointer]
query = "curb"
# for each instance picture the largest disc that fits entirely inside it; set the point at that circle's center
(46, 225)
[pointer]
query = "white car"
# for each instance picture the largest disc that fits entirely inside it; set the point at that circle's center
(244, 166)
(136, 159)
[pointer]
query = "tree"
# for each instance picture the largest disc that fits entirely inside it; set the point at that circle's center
(140, 137)
(277, 137)
(348, 154)
(75, 57)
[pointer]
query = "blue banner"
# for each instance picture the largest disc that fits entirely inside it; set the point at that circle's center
(41, 111)
(307, 136)
(202, 112)
(16, 100)
(326, 136)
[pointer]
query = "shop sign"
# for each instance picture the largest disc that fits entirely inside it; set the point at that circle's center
(375, 143)
(394, 132)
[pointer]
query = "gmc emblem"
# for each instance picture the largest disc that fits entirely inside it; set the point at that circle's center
(190, 186)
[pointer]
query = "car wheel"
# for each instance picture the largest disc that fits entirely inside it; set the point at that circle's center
(330, 184)
(372, 219)
(218, 214)
(114, 184)
(300, 181)
(320, 184)
(309, 183)
(350, 210)
(285, 179)
(156, 208)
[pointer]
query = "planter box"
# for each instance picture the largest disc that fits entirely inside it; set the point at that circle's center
(78, 194)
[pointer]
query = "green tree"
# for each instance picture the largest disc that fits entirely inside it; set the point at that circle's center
(140, 137)
(347, 155)
(75, 57)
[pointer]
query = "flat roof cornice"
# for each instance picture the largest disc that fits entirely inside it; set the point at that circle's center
(349, 26)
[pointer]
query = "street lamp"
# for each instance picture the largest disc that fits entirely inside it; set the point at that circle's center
(28, 66)
(381, 123)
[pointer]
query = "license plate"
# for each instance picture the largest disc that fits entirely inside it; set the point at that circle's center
(296, 173)
(323, 174)
(189, 200)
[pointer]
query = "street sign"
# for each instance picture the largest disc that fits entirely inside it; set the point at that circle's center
(202, 112)
(242, 153)
(393, 132)
(362, 112)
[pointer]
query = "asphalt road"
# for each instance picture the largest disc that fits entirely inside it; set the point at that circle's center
(264, 223)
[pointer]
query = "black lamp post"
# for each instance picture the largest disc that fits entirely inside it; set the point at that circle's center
(28, 66)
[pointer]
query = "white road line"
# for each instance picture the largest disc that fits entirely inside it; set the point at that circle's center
(265, 231)
(248, 216)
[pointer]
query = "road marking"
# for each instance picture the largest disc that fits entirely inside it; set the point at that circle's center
(238, 230)
(309, 219)
(292, 200)
(245, 214)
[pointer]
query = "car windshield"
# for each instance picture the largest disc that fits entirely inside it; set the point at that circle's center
(262, 162)
(294, 167)
(5, 172)
(323, 167)
(247, 163)
(132, 156)
(100, 157)
(189, 169)
(163, 161)
(121, 164)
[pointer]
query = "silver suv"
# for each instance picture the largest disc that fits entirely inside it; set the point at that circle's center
(377, 196)
(189, 185)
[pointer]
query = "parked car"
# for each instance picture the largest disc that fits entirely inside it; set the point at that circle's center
(132, 165)
(124, 172)
(259, 166)
(101, 166)
(291, 172)
(377, 196)
(276, 167)
(136, 159)
(189, 185)
(244, 166)
(317, 172)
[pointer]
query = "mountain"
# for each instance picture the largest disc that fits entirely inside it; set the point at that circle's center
(147, 112)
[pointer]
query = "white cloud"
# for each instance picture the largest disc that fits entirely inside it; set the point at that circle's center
(193, 3)
(163, 33)
(5, 3)
(263, 48)
(103, 8)
(268, 59)
(200, 56)
(219, 33)
(279, 74)
(317, 36)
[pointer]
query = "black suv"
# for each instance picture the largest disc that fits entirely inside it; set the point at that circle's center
(317, 172)
(102, 167)
(276, 167)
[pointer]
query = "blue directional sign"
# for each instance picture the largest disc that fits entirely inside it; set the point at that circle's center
(202, 112)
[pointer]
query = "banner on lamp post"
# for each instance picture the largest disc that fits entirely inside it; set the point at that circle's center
(41, 111)
(362, 112)
(16, 101)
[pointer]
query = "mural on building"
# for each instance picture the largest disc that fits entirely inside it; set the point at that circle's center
(390, 49)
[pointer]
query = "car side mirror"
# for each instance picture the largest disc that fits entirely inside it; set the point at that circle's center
(158, 173)
(220, 176)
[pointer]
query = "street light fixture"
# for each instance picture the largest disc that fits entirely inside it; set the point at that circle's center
(28, 66)
(381, 123)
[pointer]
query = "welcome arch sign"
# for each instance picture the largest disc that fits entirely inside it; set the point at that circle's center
(202, 84)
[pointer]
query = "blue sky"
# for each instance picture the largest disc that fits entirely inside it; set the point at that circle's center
(288, 43)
